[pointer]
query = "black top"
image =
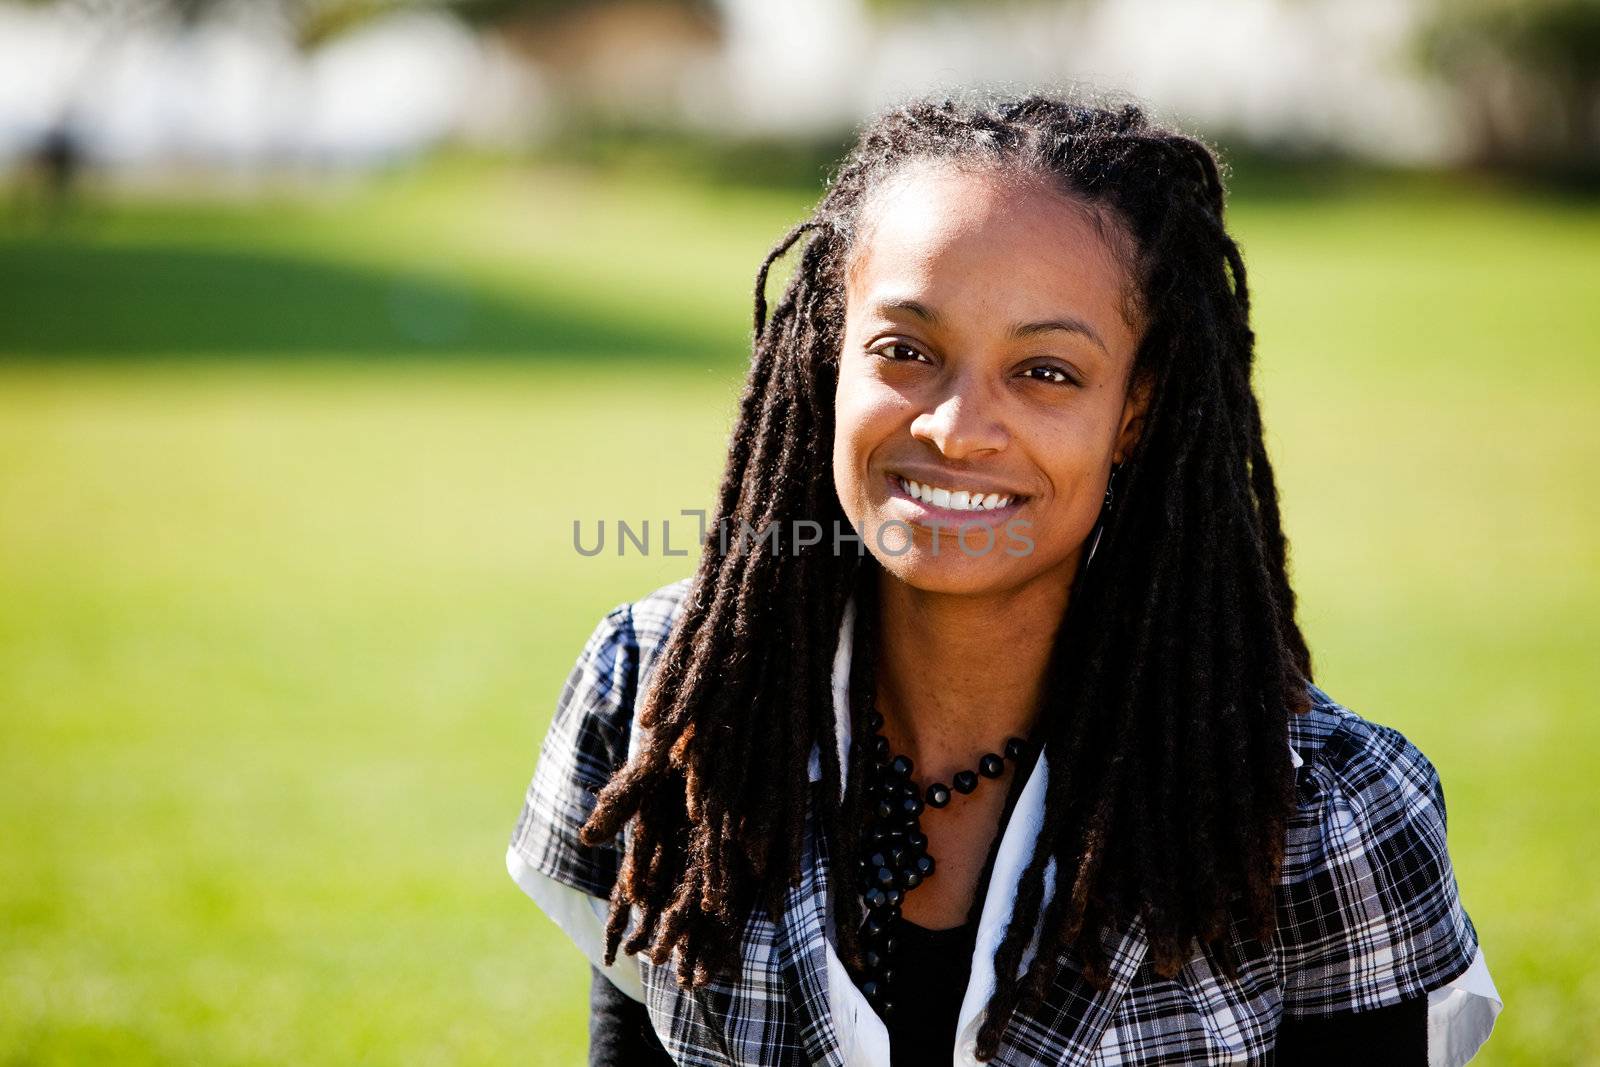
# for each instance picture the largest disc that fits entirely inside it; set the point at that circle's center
(1397, 1034)
(620, 1034)
(930, 980)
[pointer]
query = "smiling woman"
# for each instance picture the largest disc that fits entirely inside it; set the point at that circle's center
(888, 798)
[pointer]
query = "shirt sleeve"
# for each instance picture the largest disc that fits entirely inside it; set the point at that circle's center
(587, 742)
(1370, 914)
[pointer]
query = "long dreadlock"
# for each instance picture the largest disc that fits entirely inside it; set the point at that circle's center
(1177, 663)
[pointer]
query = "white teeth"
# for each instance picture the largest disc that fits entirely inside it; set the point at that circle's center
(955, 500)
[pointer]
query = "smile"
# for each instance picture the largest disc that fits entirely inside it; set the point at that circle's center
(954, 499)
(955, 504)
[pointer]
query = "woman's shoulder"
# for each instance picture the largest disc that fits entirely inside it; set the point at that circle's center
(590, 737)
(1359, 781)
(645, 622)
(1345, 752)
(596, 707)
(652, 617)
(1369, 909)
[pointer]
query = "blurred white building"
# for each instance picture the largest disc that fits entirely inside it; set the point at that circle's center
(1329, 72)
(230, 93)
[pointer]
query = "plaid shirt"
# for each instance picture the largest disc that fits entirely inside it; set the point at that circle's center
(1368, 908)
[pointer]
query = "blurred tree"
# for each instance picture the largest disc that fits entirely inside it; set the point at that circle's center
(495, 12)
(1528, 75)
(611, 71)
(884, 7)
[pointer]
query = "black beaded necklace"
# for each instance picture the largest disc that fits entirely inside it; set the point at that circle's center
(898, 859)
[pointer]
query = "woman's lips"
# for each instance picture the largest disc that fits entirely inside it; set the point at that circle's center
(909, 509)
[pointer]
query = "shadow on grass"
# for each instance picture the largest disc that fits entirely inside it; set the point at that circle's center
(67, 298)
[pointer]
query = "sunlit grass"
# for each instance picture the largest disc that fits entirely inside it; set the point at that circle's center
(279, 636)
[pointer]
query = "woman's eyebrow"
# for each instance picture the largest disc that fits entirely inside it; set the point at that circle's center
(887, 306)
(1069, 324)
(1066, 323)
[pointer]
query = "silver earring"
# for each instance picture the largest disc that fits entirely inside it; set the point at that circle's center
(1105, 509)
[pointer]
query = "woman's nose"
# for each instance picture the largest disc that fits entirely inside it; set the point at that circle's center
(963, 423)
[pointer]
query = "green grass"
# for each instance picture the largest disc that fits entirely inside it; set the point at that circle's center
(287, 589)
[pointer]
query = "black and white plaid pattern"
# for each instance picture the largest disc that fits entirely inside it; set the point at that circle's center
(1368, 908)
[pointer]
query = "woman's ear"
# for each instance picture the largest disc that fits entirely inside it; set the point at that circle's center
(1133, 413)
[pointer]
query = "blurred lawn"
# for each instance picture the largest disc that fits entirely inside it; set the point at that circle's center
(287, 589)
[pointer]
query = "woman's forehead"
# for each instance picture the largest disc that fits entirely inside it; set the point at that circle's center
(956, 235)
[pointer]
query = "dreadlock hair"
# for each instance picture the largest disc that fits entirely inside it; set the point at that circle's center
(1174, 670)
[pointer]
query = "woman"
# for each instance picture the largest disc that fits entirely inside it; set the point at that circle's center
(864, 790)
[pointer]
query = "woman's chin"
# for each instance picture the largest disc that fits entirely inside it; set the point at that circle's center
(952, 571)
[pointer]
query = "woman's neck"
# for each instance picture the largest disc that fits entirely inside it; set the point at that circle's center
(957, 675)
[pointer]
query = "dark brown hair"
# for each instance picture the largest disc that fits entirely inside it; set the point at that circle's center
(1175, 667)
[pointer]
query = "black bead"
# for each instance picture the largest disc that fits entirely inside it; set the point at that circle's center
(874, 722)
(880, 749)
(910, 879)
(873, 928)
(964, 782)
(924, 865)
(912, 806)
(991, 766)
(873, 959)
(876, 860)
(886, 809)
(917, 841)
(906, 789)
(1016, 748)
(875, 898)
(872, 989)
(885, 877)
(893, 897)
(890, 945)
(897, 857)
(938, 795)
(902, 766)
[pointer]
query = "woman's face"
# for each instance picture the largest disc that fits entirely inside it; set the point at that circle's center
(985, 353)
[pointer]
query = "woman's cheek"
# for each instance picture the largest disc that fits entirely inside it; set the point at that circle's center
(850, 458)
(1070, 511)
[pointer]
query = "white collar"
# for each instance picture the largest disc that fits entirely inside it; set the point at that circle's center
(863, 1039)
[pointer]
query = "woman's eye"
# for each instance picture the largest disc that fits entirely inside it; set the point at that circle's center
(1047, 373)
(899, 352)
